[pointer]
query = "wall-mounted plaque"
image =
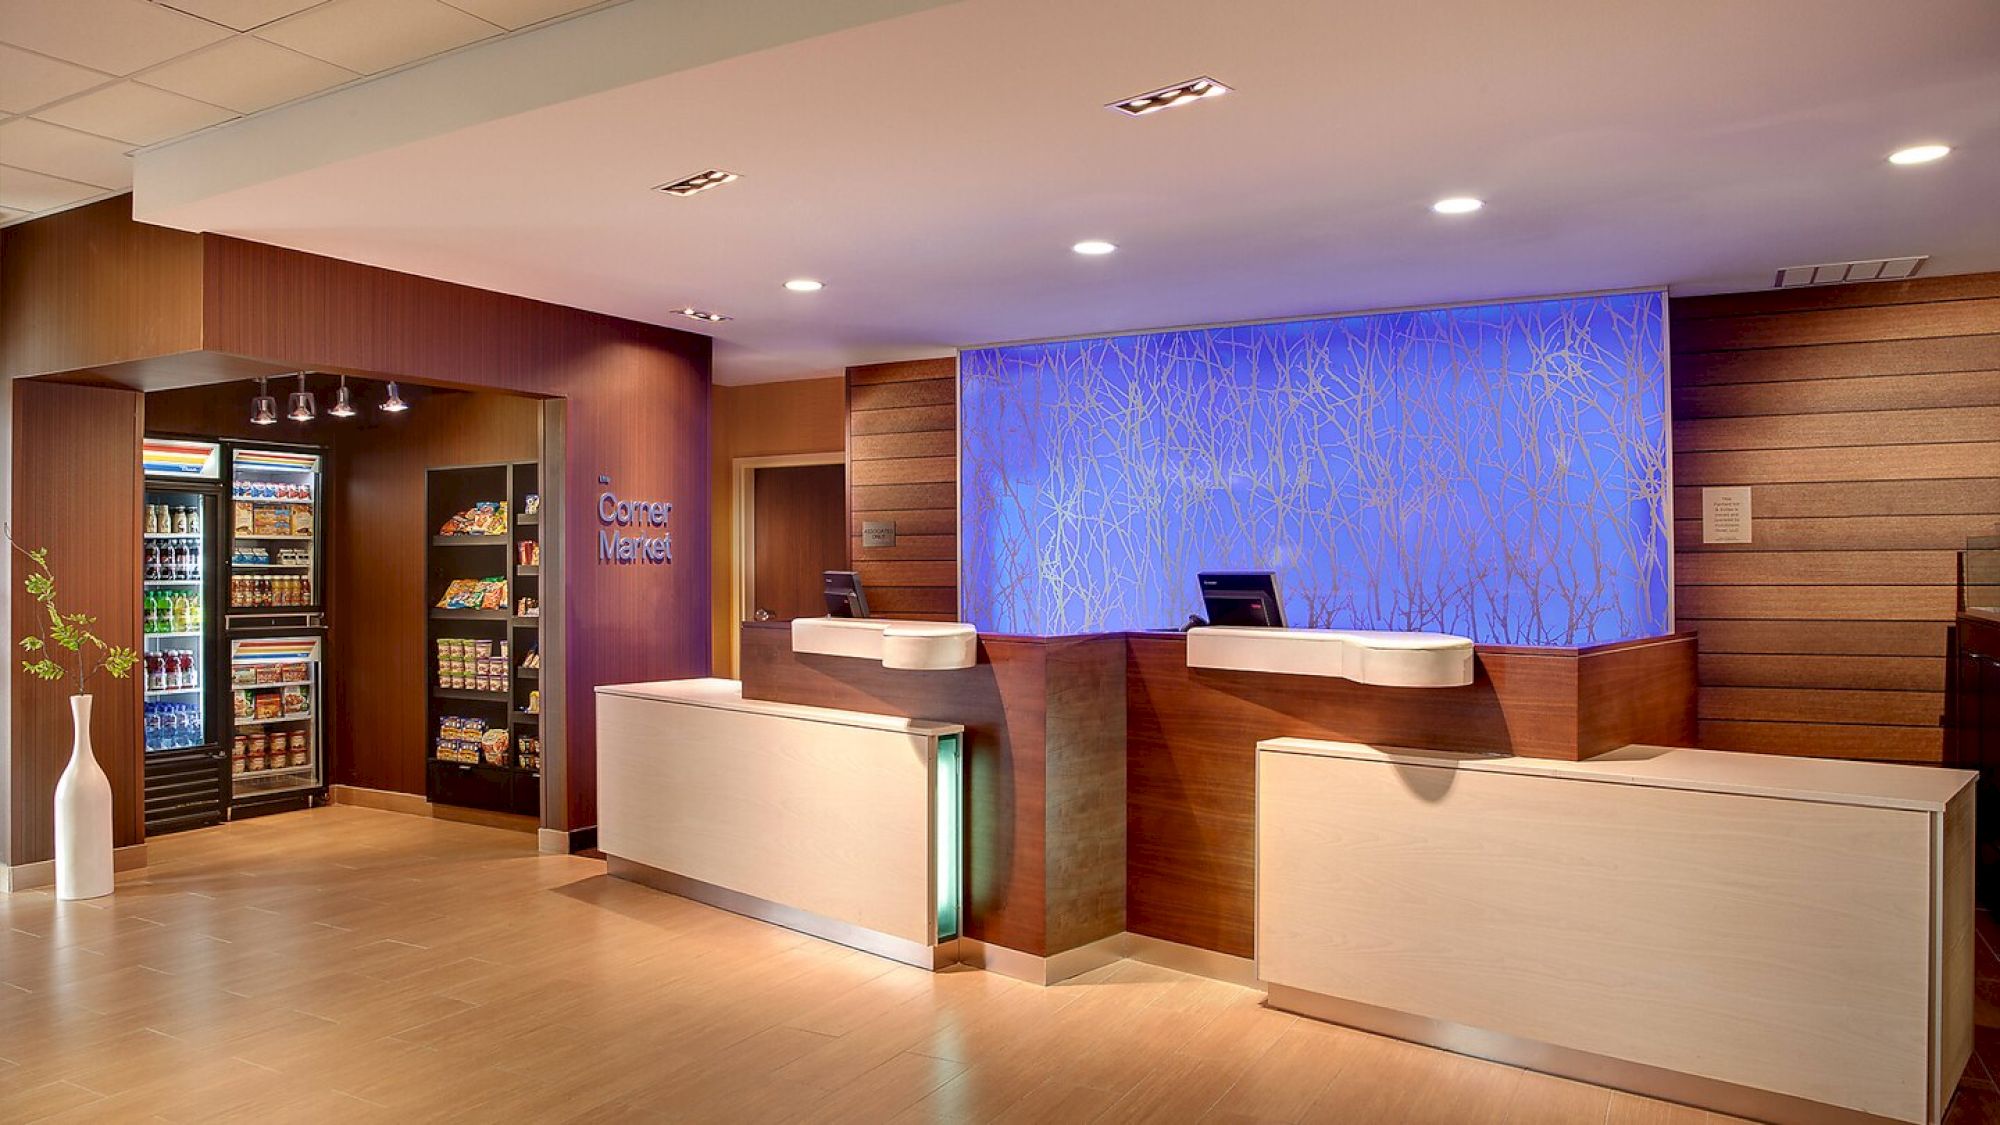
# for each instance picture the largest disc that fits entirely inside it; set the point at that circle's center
(878, 533)
(1725, 514)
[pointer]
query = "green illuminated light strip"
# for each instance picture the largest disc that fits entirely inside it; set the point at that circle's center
(950, 790)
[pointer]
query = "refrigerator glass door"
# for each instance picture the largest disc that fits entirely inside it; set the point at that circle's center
(275, 703)
(176, 569)
(273, 530)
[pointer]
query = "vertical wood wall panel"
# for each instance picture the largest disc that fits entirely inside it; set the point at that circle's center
(1866, 419)
(82, 503)
(902, 467)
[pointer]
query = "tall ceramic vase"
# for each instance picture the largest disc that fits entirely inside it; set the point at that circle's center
(83, 816)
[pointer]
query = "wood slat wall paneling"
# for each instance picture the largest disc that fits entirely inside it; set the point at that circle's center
(902, 468)
(1866, 420)
(83, 502)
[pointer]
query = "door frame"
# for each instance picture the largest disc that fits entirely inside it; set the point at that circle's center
(743, 502)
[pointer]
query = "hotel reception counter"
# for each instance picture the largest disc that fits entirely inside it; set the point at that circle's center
(1510, 867)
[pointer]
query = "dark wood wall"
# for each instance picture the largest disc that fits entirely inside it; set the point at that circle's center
(93, 287)
(83, 503)
(902, 467)
(1866, 421)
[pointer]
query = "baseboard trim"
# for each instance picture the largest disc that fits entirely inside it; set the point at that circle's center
(1193, 960)
(558, 841)
(1566, 1062)
(931, 957)
(416, 804)
(42, 873)
(1053, 969)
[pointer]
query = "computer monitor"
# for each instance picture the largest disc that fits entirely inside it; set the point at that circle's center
(842, 589)
(1242, 597)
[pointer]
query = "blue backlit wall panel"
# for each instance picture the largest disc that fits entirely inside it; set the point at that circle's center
(1497, 471)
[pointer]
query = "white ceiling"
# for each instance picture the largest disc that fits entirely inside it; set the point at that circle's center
(84, 82)
(934, 167)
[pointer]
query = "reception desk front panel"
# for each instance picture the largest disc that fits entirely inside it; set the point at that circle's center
(839, 824)
(1776, 929)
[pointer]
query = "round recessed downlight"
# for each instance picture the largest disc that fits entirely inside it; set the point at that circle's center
(1094, 246)
(1457, 205)
(804, 285)
(1919, 154)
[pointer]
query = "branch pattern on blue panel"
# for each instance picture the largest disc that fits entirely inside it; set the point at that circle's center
(1497, 471)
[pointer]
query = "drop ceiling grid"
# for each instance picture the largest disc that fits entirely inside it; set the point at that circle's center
(84, 83)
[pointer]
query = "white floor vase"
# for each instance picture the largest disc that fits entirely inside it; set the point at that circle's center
(83, 816)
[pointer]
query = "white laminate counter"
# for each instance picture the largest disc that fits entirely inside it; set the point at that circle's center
(840, 824)
(1384, 659)
(1779, 938)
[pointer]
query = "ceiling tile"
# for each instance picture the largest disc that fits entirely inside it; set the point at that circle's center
(30, 81)
(28, 191)
(115, 36)
(246, 74)
(371, 36)
(241, 14)
(512, 14)
(135, 114)
(56, 151)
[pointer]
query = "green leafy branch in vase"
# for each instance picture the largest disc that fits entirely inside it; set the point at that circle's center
(67, 632)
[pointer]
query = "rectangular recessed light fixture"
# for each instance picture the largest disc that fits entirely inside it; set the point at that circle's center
(693, 313)
(1837, 273)
(1180, 93)
(699, 182)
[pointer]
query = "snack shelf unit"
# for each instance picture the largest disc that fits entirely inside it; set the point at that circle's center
(485, 644)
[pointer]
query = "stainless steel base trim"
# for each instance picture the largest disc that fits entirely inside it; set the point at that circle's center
(1193, 960)
(42, 873)
(928, 957)
(1566, 1062)
(1053, 969)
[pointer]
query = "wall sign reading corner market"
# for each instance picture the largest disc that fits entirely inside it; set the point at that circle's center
(646, 541)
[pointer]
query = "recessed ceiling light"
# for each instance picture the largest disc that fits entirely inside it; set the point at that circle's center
(699, 182)
(1919, 154)
(1166, 97)
(1457, 205)
(701, 314)
(1094, 246)
(804, 285)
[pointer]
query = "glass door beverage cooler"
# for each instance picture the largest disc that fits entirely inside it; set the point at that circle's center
(275, 630)
(185, 765)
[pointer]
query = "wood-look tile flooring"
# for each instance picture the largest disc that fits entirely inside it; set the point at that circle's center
(353, 965)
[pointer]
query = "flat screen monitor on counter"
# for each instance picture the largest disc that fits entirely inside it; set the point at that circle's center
(1242, 597)
(844, 597)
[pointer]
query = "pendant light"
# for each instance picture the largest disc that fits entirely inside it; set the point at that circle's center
(263, 408)
(303, 408)
(343, 402)
(394, 404)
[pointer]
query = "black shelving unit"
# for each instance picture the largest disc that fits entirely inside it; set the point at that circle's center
(512, 785)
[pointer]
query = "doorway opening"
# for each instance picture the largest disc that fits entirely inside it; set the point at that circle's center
(790, 525)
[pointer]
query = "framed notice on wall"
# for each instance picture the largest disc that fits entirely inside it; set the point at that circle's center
(1725, 515)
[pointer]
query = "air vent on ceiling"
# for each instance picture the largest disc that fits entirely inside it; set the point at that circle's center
(1166, 97)
(1835, 273)
(699, 182)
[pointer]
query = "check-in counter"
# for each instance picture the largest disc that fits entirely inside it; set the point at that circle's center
(840, 824)
(1780, 938)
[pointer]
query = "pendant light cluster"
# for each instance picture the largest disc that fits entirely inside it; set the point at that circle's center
(303, 406)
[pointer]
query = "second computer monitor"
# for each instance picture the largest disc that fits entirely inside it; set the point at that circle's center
(1242, 597)
(842, 589)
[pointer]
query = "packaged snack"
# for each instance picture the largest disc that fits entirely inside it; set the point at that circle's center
(270, 673)
(245, 707)
(531, 504)
(294, 700)
(302, 519)
(294, 672)
(269, 706)
(241, 517)
(493, 593)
